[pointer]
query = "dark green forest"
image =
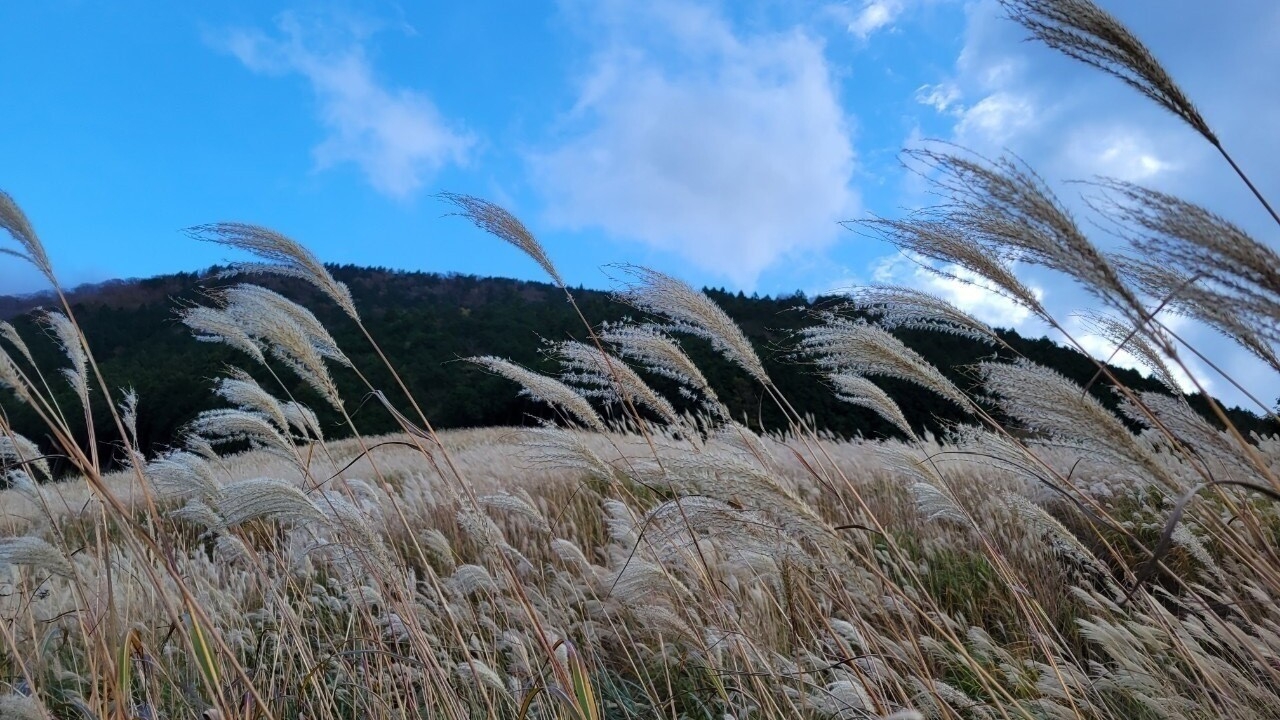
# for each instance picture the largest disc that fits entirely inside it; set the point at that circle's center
(426, 323)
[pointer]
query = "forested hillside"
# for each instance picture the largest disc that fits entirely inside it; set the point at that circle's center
(427, 322)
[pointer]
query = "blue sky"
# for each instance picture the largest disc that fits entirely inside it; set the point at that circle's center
(722, 142)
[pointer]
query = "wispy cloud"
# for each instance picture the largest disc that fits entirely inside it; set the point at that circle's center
(874, 16)
(729, 150)
(396, 136)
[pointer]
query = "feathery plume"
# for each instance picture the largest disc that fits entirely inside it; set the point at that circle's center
(210, 324)
(1122, 334)
(241, 390)
(1188, 427)
(34, 552)
(1083, 31)
(68, 337)
(179, 474)
(505, 226)
(14, 222)
(944, 242)
(1010, 209)
(293, 335)
(1251, 325)
(843, 346)
(264, 498)
(556, 447)
(197, 513)
(1044, 401)
(860, 391)
(1170, 231)
(10, 333)
(11, 378)
(226, 425)
(467, 580)
(1040, 522)
(280, 256)
(302, 419)
(543, 389)
(17, 451)
(658, 353)
(897, 307)
(22, 707)
(691, 312)
(607, 377)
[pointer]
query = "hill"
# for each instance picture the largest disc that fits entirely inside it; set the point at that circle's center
(426, 322)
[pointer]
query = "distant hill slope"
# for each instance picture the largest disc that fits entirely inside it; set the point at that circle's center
(425, 322)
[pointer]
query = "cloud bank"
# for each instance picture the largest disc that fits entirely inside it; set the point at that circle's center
(730, 150)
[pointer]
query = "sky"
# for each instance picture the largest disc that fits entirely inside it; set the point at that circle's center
(722, 142)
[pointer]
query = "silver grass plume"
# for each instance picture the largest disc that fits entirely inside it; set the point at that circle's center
(17, 451)
(249, 304)
(1045, 401)
(14, 222)
(280, 256)
(1010, 209)
(1085, 32)
(1188, 427)
(543, 389)
(840, 345)
(475, 670)
(229, 549)
(468, 580)
(607, 377)
(68, 337)
(505, 226)
(302, 419)
(896, 307)
(22, 707)
(944, 242)
(1137, 343)
(294, 336)
(1237, 318)
(268, 498)
(659, 354)
(562, 449)
(860, 391)
(10, 333)
(1167, 230)
(691, 312)
(518, 504)
(129, 413)
(36, 553)
(211, 324)
(241, 390)
(1040, 522)
(345, 517)
(197, 513)
(226, 425)
(932, 495)
(11, 378)
(180, 474)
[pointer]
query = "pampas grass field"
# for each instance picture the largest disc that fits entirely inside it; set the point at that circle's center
(1047, 559)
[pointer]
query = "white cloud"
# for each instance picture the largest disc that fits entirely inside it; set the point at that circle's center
(730, 151)
(943, 97)
(1116, 151)
(874, 16)
(396, 136)
(996, 119)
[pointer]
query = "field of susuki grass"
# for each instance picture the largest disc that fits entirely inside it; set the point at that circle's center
(1043, 560)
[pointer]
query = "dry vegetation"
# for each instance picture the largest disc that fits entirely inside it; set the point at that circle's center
(1042, 562)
